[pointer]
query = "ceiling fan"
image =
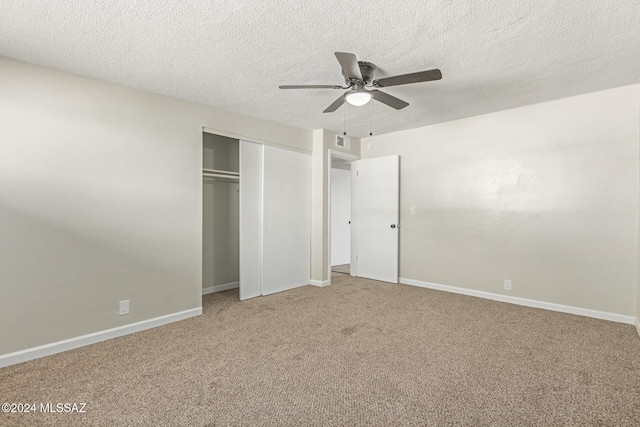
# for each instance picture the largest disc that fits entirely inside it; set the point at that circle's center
(358, 75)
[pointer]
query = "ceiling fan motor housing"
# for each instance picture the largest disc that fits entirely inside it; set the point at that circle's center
(366, 69)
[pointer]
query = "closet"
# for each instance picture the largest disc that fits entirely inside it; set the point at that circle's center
(256, 217)
(220, 213)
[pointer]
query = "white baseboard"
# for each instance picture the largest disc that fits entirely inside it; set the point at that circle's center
(320, 283)
(524, 301)
(219, 288)
(638, 325)
(81, 341)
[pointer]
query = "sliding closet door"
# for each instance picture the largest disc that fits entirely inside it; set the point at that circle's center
(250, 219)
(287, 219)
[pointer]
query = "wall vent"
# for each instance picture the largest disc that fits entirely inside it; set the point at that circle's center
(343, 141)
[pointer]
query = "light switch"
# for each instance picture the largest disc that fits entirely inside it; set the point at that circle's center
(412, 210)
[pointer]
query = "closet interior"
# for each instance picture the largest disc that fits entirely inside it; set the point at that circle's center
(221, 211)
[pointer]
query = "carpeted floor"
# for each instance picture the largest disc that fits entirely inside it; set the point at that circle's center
(356, 353)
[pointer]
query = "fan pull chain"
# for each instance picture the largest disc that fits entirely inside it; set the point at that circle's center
(370, 118)
(344, 121)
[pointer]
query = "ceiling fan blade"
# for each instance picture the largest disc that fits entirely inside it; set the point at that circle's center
(420, 76)
(336, 104)
(391, 101)
(310, 87)
(349, 64)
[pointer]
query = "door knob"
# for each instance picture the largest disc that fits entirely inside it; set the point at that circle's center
(393, 226)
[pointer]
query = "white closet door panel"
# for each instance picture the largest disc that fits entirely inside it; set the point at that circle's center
(250, 219)
(287, 220)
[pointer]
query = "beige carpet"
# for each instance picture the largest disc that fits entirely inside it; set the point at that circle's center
(356, 353)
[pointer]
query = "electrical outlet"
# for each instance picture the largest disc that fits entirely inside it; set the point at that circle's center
(507, 284)
(123, 308)
(412, 210)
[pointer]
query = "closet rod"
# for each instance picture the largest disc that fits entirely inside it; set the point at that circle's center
(220, 172)
(218, 175)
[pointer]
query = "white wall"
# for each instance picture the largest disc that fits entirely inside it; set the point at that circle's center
(544, 195)
(100, 201)
(340, 216)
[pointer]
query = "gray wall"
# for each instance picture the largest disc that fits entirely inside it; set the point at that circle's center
(544, 195)
(100, 201)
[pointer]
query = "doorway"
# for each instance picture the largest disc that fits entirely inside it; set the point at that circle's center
(369, 205)
(340, 205)
(340, 216)
(220, 213)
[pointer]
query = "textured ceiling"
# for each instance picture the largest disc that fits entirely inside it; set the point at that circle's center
(233, 54)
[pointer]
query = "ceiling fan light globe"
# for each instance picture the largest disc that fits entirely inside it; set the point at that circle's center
(358, 98)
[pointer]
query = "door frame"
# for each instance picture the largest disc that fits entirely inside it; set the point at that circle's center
(344, 156)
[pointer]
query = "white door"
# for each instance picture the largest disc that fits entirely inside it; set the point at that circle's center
(375, 213)
(275, 219)
(287, 220)
(250, 219)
